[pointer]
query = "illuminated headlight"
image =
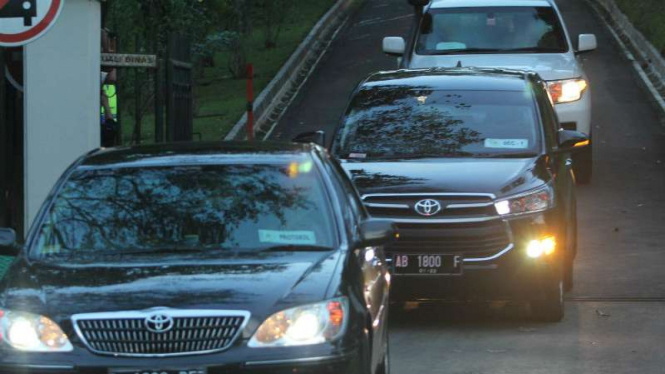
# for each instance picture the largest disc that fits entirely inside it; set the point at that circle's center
(535, 201)
(306, 325)
(566, 91)
(538, 248)
(32, 333)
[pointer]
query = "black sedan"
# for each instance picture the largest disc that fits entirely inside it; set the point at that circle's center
(475, 169)
(208, 258)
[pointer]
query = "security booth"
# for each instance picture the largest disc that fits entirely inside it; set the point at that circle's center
(49, 98)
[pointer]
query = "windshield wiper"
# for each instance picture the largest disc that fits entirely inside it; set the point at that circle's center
(166, 249)
(532, 49)
(464, 51)
(513, 155)
(297, 248)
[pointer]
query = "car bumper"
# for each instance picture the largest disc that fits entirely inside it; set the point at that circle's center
(576, 115)
(510, 275)
(82, 362)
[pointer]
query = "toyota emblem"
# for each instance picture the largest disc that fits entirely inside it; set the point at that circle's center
(428, 207)
(159, 323)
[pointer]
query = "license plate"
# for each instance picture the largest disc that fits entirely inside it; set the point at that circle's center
(148, 371)
(427, 264)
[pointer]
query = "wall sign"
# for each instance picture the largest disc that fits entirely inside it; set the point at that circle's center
(24, 21)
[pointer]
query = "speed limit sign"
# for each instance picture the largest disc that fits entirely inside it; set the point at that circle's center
(23, 21)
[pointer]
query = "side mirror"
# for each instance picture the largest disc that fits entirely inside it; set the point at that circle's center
(8, 245)
(376, 232)
(572, 141)
(586, 43)
(418, 3)
(316, 137)
(394, 46)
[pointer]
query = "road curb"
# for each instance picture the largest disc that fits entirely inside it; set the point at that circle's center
(646, 59)
(274, 97)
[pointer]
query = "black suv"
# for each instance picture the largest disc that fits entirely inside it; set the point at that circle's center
(199, 259)
(474, 168)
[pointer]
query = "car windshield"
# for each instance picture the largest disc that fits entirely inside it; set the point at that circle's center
(402, 122)
(199, 209)
(491, 30)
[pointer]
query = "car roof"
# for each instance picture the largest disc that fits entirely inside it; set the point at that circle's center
(195, 153)
(459, 79)
(440, 4)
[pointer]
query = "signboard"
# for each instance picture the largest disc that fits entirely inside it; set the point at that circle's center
(24, 21)
(128, 60)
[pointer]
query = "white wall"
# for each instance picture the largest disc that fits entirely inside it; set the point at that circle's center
(62, 105)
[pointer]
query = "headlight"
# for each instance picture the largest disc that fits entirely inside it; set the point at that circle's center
(311, 324)
(566, 91)
(32, 333)
(530, 202)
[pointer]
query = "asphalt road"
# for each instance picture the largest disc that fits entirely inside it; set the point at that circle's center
(614, 315)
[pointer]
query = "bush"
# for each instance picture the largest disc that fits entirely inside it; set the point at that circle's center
(649, 17)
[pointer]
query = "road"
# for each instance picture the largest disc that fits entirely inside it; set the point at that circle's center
(613, 320)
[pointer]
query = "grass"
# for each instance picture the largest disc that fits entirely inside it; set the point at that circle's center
(649, 17)
(221, 100)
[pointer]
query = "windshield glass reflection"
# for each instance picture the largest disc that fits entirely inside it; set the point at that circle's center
(186, 209)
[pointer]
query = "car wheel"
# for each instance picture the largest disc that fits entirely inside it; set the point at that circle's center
(551, 309)
(583, 166)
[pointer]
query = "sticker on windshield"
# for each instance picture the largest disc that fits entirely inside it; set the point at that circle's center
(287, 237)
(357, 155)
(507, 143)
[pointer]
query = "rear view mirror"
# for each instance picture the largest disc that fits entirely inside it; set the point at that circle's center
(316, 137)
(586, 43)
(394, 46)
(376, 232)
(8, 245)
(572, 141)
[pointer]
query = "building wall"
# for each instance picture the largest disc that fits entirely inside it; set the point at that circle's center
(62, 105)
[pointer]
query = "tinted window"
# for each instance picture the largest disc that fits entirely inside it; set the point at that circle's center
(401, 122)
(216, 208)
(492, 30)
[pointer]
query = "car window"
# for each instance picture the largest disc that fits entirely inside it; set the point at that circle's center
(215, 208)
(402, 122)
(491, 29)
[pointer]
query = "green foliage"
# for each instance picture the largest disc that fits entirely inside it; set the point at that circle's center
(649, 17)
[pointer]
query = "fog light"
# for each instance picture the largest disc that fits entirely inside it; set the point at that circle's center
(537, 248)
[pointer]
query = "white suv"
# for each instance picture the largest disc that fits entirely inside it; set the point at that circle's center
(516, 34)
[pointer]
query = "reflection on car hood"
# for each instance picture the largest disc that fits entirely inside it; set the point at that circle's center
(258, 283)
(549, 66)
(500, 177)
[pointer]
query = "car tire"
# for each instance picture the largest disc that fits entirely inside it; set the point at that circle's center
(583, 166)
(550, 309)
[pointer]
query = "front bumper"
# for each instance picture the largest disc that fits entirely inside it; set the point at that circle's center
(509, 275)
(82, 362)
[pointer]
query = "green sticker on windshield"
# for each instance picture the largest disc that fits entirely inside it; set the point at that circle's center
(287, 237)
(507, 143)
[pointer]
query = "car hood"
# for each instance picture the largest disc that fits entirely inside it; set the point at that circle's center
(261, 283)
(548, 66)
(500, 177)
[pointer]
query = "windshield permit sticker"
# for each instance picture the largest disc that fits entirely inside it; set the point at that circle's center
(507, 143)
(287, 237)
(357, 155)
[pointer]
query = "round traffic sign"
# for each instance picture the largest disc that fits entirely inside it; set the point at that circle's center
(23, 21)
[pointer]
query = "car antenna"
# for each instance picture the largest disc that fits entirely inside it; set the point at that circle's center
(459, 63)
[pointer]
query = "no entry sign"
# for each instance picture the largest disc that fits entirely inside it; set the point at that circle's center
(23, 21)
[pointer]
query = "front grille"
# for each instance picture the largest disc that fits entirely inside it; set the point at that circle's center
(470, 239)
(453, 206)
(191, 332)
(467, 224)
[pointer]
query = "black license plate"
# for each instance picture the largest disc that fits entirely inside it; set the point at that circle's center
(149, 371)
(428, 264)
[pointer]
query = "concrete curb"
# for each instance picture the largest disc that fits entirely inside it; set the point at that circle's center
(647, 59)
(275, 95)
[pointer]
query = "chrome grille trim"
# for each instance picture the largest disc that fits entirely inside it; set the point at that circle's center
(445, 220)
(195, 332)
(464, 194)
(392, 206)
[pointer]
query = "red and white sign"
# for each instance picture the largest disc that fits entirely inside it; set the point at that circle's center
(24, 21)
